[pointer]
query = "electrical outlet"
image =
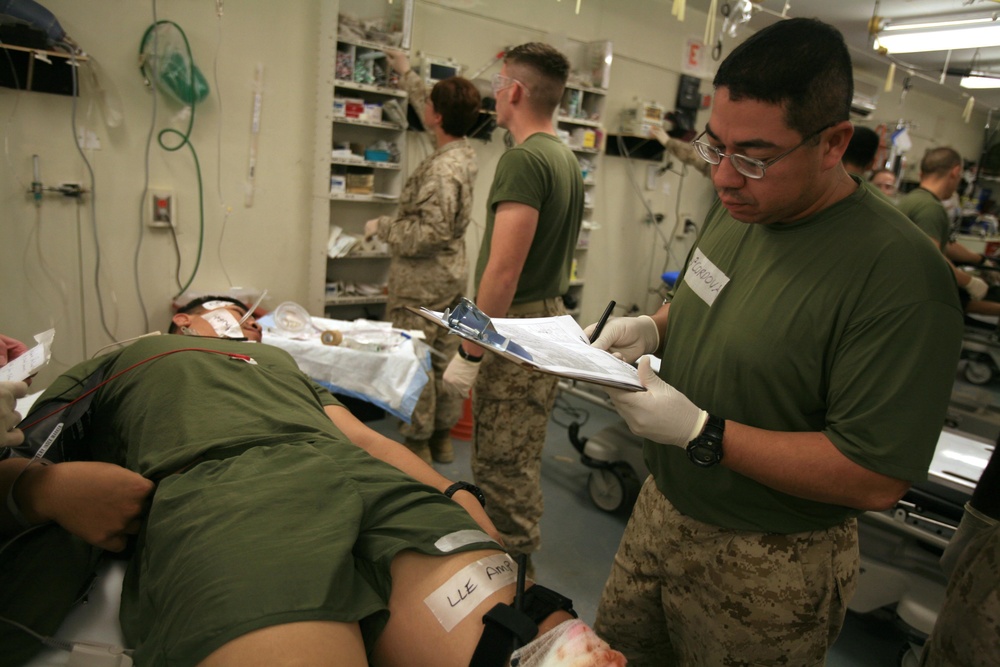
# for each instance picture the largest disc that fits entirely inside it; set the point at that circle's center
(162, 209)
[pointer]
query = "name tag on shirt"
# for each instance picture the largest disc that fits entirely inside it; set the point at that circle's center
(705, 278)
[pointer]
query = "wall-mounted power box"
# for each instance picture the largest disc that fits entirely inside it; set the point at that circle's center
(161, 209)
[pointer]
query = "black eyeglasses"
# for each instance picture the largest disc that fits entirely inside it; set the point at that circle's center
(748, 166)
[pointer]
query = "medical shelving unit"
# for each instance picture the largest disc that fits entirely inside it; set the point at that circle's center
(580, 118)
(348, 190)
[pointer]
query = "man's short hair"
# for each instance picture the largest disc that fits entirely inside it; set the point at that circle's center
(551, 69)
(802, 64)
(457, 100)
(862, 148)
(196, 307)
(939, 161)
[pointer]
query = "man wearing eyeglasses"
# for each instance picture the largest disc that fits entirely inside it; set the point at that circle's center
(532, 225)
(801, 383)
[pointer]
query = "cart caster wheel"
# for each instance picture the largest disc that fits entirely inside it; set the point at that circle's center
(614, 489)
(978, 370)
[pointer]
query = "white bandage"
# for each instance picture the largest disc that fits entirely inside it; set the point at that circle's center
(570, 644)
(461, 594)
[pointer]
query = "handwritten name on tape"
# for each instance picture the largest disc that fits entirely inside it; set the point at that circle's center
(461, 594)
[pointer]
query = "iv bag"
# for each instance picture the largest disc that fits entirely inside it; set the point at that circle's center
(166, 61)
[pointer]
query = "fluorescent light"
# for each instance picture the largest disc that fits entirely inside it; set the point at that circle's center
(979, 82)
(936, 24)
(941, 40)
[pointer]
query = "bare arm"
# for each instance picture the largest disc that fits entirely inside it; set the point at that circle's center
(400, 457)
(807, 465)
(959, 254)
(101, 503)
(513, 230)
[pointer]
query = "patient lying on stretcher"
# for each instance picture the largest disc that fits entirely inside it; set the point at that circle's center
(273, 527)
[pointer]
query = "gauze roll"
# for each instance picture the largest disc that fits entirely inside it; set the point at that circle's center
(572, 643)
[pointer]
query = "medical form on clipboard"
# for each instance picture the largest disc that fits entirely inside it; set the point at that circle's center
(554, 345)
(31, 361)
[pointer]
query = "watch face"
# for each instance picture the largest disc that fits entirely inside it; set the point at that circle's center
(704, 453)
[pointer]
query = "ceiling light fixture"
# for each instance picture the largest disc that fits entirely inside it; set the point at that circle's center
(944, 35)
(980, 81)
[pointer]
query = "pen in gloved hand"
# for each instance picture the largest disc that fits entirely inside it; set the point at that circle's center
(601, 322)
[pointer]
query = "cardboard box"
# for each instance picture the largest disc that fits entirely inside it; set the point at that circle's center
(360, 184)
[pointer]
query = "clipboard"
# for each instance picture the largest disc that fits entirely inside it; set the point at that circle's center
(552, 345)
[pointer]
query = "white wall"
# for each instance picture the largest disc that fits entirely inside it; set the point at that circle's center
(40, 253)
(267, 244)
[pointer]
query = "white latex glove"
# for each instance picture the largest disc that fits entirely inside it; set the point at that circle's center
(628, 337)
(460, 375)
(371, 228)
(657, 132)
(398, 61)
(661, 413)
(977, 288)
(9, 416)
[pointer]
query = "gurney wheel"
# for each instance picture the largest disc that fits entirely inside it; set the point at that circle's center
(614, 489)
(978, 370)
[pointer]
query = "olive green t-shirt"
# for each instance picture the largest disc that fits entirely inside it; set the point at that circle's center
(172, 415)
(810, 326)
(544, 174)
(925, 210)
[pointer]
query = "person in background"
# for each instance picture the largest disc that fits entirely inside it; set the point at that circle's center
(426, 239)
(802, 382)
(10, 349)
(535, 208)
(940, 173)
(885, 181)
(861, 150)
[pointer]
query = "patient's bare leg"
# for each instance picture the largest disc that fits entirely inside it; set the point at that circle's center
(309, 643)
(414, 636)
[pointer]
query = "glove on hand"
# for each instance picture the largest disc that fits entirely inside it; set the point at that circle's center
(977, 288)
(661, 413)
(398, 61)
(628, 337)
(9, 417)
(460, 375)
(371, 228)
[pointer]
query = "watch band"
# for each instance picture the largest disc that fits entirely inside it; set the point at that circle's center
(706, 449)
(466, 486)
(468, 357)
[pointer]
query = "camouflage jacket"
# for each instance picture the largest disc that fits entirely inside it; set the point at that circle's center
(426, 236)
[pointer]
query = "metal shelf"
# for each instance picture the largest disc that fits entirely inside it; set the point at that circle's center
(378, 199)
(380, 124)
(368, 88)
(373, 164)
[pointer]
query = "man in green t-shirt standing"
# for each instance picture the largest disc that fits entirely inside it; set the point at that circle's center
(940, 173)
(801, 384)
(533, 220)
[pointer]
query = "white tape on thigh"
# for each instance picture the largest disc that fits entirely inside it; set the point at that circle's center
(461, 594)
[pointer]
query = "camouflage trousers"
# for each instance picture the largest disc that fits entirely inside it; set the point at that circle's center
(436, 409)
(683, 592)
(967, 631)
(510, 410)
